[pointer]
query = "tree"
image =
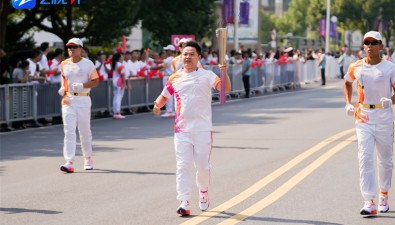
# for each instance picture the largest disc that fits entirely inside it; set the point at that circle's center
(163, 19)
(101, 22)
(266, 27)
(365, 15)
(295, 19)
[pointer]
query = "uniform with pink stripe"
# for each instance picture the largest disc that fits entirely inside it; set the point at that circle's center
(192, 93)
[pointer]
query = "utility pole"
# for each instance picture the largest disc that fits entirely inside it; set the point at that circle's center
(259, 25)
(236, 24)
(328, 13)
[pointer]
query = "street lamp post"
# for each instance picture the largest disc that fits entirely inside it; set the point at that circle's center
(328, 13)
(236, 24)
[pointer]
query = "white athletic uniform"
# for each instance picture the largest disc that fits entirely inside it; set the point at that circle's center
(166, 74)
(33, 69)
(76, 110)
(117, 87)
(102, 70)
(193, 126)
(127, 68)
(374, 126)
(134, 67)
(55, 67)
(44, 62)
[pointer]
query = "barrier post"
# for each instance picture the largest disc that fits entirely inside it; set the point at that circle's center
(7, 106)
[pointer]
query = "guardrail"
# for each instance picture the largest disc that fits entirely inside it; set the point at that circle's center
(22, 102)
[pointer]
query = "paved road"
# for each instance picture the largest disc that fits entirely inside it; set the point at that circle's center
(286, 158)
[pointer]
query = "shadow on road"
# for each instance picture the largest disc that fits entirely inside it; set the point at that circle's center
(21, 210)
(48, 141)
(130, 172)
(227, 215)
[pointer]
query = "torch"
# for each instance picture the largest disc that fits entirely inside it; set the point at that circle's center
(221, 34)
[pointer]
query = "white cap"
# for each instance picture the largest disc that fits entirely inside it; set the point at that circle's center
(183, 40)
(75, 41)
(170, 47)
(288, 49)
(373, 34)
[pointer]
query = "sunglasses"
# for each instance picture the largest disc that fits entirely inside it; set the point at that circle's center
(371, 42)
(73, 46)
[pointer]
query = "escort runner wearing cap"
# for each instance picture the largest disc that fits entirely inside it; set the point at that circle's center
(374, 120)
(78, 77)
(75, 41)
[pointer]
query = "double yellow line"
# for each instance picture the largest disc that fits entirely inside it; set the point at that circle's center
(283, 189)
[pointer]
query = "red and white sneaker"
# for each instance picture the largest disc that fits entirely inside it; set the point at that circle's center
(88, 163)
(167, 115)
(383, 203)
(183, 209)
(67, 167)
(369, 208)
(204, 201)
(118, 117)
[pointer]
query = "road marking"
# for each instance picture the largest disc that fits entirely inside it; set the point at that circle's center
(287, 186)
(266, 180)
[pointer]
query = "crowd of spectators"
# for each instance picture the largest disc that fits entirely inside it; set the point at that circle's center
(43, 64)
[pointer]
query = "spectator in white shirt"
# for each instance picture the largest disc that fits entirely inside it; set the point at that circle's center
(101, 67)
(35, 70)
(54, 70)
(127, 65)
(44, 47)
(134, 63)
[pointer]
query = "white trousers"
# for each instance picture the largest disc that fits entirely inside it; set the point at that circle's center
(370, 136)
(192, 148)
(74, 116)
(170, 102)
(117, 99)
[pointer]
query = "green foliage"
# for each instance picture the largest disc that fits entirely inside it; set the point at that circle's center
(100, 22)
(352, 15)
(295, 19)
(267, 25)
(180, 17)
(361, 14)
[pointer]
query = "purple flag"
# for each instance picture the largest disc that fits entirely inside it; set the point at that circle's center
(227, 12)
(244, 12)
(322, 27)
(333, 30)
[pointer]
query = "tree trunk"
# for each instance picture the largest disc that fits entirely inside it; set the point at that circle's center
(4, 10)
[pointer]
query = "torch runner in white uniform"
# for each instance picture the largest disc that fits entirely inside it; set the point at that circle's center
(191, 87)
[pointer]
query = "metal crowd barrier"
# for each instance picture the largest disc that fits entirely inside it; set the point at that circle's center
(21, 102)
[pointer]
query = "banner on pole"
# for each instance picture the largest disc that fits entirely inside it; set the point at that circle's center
(227, 12)
(175, 38)
(244, 12)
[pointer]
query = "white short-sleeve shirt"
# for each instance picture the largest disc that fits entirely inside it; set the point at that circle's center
(102, 70)
(374, 82)
(192, 94)
(55, 67)
(168, 69)
(80, 72)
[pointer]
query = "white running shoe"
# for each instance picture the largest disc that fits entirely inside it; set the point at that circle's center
(204, 201)
(383, 203)
(67, 167)
(167, 115)
(118, 117)
(88, 163)
(369, 208)
(183, 209)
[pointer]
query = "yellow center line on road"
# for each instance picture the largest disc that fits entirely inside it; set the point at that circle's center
(287, 186)
(266, 180)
